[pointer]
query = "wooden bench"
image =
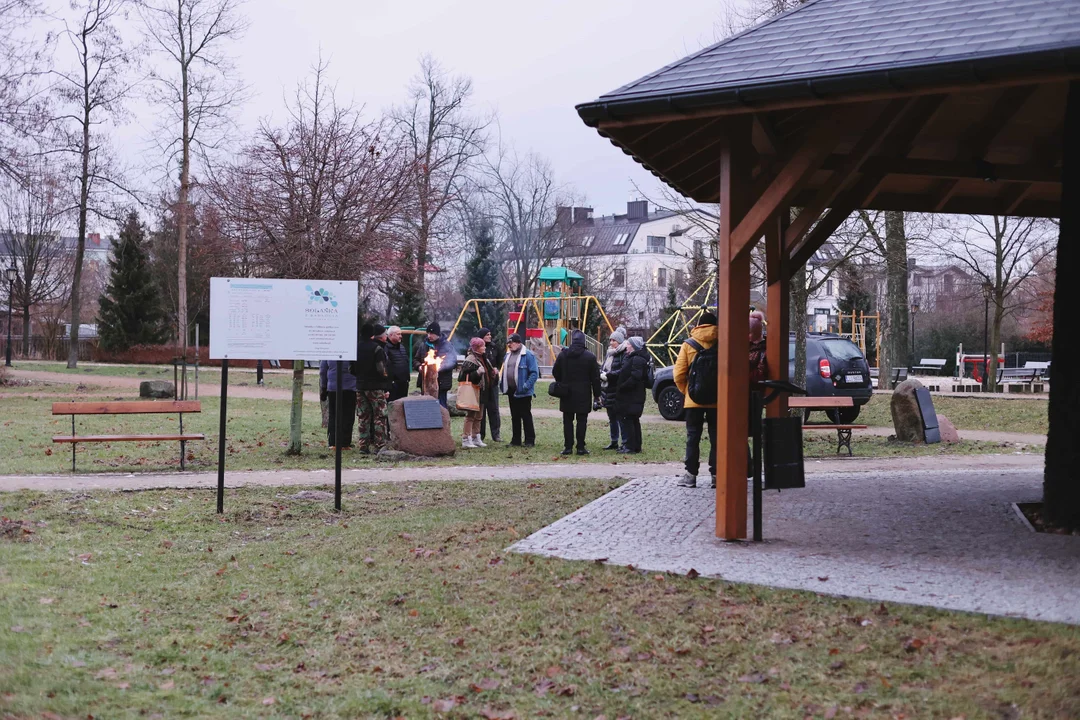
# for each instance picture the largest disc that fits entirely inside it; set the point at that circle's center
(934, 365)
(843, 432)
(1026, 377)
(140, 407)
(899, 375)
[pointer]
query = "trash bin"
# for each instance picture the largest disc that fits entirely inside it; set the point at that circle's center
(783, 453)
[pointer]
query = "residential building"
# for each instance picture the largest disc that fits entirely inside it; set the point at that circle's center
(631, 260)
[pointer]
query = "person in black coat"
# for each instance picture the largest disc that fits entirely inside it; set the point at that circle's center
(491, 417)
(577, 369)
(443, 350)
(630, 393)
(397, 358)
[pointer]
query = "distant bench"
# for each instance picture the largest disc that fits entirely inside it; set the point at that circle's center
(142, 407)
(934, 365)
(843, 432)
(899, 375)
(1031, 374)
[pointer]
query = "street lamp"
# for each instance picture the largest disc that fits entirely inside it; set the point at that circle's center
(914, 312)
(11, 272)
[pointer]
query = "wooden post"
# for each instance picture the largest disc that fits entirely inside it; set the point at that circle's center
(733, 327)
(778, 294)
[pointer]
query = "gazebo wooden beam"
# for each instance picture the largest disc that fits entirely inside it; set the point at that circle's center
(733, 301)
(785, 183)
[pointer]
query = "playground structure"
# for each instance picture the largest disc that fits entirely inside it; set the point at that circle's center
(664, 344)
(559, 307)
(858, 330)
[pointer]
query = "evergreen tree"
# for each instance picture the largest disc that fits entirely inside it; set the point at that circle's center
(482, 281)
(130, 307)
(408, 298)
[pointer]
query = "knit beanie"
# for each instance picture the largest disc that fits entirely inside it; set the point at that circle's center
(476, 343)
(619, 336)
(637, 342)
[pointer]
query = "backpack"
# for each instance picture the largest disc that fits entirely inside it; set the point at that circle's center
(701, 380)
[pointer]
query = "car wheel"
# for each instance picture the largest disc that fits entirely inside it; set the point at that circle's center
(843, 416)
(670, 401)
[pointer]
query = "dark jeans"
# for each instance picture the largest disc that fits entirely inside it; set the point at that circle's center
(491, 416)
(615, 426)
(348, 415)
(696, 419)
(399, 390)
(442, 399)
(568, 429)
(521, 415)
(631, 427)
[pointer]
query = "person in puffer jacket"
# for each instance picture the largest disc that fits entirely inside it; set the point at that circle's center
(609, 375)
(630, 392)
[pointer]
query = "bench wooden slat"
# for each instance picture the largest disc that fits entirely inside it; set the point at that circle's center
(815, 403)
(123, 438)
(835, 427)
(134, 407)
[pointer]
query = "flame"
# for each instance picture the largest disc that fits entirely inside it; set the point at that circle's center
(433, 361)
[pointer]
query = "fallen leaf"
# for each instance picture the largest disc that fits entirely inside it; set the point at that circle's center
(882, 610)
(85, 558)
(269, 701)
(263, 667)
(166, 544)
(105, 674)
(754, 678)
(167, 685)
(823, 578)
(693, 574)
(912, 645)
(122, 686)
(838, 665)
(222, 570)
(485, 685)
(834, 651)
(458, 642)
(445, 705)
(567, 691)
(46, 601)
(489, 714)
(369, 561)
(553, 671)
(708, 629)
(831, 712)
(414, 612)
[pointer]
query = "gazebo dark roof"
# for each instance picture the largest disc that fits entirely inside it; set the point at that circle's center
(830, 47)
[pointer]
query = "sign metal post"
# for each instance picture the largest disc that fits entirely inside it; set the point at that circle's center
(221, 436)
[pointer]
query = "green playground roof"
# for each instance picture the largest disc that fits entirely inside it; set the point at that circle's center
(551, 274)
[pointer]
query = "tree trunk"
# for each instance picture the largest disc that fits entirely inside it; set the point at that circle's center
(800, 298)
(80, 242)
(895, 342)
(182, 227)
(996, 304)
(1061, 481)
(26, 332)
(296, 414)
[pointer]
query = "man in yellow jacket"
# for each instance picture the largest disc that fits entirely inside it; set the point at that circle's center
(702, 337)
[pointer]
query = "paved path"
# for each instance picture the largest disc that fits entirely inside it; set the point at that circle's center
(423, 473)
(943, 535)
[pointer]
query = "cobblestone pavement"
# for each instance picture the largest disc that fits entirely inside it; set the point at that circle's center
(944, 537)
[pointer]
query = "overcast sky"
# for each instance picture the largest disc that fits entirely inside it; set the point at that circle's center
(532, 62)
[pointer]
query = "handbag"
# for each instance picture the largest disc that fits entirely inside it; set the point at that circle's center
(468, 396)
(558, 389)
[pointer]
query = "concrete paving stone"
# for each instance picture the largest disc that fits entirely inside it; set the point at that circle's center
(946, 537)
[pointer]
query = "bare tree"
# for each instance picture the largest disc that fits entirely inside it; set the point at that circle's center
(93, 92)
(197, 93)
(33, 213)
(523, 197)
(22, 97)
(1001, 253)
(444, 140)
(317, 197)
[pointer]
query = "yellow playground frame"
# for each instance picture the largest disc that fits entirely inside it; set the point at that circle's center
(664, 344)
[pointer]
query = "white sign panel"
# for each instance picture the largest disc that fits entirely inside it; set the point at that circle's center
(266, 319)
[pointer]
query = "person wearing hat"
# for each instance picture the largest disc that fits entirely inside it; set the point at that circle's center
(373, 383)
(490, 416)
(476, 370)
(630, 392)
(698, 413)
(328, 385)
(609, 375)
(445, 352)
(576, 369)
(520, 371)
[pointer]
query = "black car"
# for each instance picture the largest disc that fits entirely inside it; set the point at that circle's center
(834, 366)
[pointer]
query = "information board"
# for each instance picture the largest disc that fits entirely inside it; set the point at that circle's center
(272, 319)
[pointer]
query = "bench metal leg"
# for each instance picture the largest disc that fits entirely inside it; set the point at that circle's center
(73, 444)
(182, 443)
(843, 439)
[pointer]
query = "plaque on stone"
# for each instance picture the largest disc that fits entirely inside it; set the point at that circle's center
(423, 414)
(929, 416)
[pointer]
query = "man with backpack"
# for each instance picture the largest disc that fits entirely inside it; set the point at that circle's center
(695, 376)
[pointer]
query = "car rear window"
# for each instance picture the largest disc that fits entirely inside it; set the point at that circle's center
(841, 349)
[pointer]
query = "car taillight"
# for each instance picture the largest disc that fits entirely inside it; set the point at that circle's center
(824, 368)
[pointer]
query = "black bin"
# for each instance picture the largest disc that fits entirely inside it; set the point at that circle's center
(783, 453)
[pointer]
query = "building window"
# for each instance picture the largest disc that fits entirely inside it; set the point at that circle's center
(657, 244)
(619, 279)
(948, 284)
(828, 287)
(641, 315)
(661, 277)
(680, 278)
(621, 238)
(916, 280)
(588, 240)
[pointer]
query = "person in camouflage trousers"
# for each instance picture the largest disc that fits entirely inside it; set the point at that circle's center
(373, 384)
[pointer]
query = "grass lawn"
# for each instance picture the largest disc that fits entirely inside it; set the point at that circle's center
(969, 413)
(128, 605)
(258, 434)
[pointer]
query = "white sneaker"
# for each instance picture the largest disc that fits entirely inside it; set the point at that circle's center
(478, 441)
(466, 442)
(688, 480)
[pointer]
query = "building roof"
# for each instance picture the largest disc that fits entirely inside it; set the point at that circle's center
(613, 234)
(838, 47)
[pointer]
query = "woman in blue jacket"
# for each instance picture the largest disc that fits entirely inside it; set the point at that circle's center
(520, 372)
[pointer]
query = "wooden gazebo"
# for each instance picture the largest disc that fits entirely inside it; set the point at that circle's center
(915, 105)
